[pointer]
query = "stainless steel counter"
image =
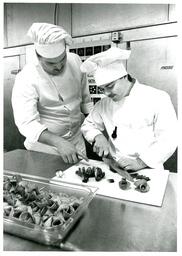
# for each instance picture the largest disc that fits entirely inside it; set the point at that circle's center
(108, 224)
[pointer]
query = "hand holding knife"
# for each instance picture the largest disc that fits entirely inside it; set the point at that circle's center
(82, 156)
(113, 164)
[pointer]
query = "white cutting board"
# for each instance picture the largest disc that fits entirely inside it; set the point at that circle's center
(157, 183)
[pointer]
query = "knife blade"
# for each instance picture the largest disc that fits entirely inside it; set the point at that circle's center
(82, 156)
(112, 163)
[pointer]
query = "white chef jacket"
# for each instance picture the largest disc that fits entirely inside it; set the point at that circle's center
(146, 125)
(42, 101)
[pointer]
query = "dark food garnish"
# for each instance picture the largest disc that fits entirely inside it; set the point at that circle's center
(139, 176)
(124, 184)
(110, 180)
(141, 185)
(90, 172)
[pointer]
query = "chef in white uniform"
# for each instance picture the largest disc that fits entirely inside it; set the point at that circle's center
(50, 96)
(135, 124)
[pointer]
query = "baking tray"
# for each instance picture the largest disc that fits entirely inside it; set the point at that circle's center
(53, 236)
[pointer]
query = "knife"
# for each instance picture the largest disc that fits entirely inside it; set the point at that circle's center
(113, 164)
(82, 156)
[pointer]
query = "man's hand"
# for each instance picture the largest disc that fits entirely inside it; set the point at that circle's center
(101, 145)
(127, 164)
(68, 152)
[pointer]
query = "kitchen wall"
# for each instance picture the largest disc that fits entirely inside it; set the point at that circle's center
(81, 19)
(18, 17)
(99, 18)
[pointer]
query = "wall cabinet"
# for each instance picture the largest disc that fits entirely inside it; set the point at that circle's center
(153, 62)
(18, 17)
(81, 19)
(99, 18)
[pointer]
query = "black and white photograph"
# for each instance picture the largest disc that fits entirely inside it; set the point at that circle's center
(90, 126)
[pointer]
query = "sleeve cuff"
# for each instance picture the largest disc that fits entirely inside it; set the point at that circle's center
(92, 135)
(87, 107)
(33, 132)
(149, 161)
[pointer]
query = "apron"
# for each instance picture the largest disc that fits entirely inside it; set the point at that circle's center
(59, 107)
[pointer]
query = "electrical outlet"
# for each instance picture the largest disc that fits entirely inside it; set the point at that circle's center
(116, 37)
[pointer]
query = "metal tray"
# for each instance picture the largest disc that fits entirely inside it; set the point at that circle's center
(52, 235)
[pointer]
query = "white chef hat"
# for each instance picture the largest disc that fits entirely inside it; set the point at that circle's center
(106, 66)
(49, 39)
